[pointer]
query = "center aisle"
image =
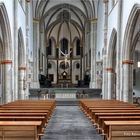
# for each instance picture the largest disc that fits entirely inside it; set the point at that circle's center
(69, 123)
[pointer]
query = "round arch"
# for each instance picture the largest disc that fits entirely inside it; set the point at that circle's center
(130, 39)
(127, 44)
(111, 65)
(6, 60)
(21, 65)
(21, 49)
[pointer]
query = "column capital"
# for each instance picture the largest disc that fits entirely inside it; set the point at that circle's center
(36, 20)
(93, 20)
(105, 1)
(110, 69)
(6, 62)
(129, 62)
(28, 0)
(22, 68)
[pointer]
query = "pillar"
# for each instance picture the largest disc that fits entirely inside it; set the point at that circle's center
(22, 83)
(104, 78)
(111, 83)
(93, 39)
(81, 63)
(118, 51)
(127, 81)
(7, 81)
(35, 83)
(15, 56)
(104, 83)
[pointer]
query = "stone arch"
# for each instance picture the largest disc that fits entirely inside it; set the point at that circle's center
(127, 44)
(21, 49)
(111, 65)
(5, 28)
(21, 65)
(6, 52)
(127, 54)
(1, 71)
(112, 47)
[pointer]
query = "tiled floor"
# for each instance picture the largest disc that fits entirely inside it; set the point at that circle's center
(69, 123)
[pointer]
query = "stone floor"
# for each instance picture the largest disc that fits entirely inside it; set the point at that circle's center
(69, 123)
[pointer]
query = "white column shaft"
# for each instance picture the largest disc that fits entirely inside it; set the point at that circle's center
(127, 83)
(7, 95)
(35, 83)
(93, 36)
(22, 84)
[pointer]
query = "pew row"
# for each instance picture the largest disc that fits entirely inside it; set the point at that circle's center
(25, 119)
(108, 114)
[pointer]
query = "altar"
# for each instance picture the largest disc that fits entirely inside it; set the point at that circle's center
(65, 93)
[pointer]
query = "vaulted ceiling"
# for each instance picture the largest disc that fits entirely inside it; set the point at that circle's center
(59, 13)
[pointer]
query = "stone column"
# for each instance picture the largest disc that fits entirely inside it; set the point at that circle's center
(22, 83)
(104, 85)
(42, 50)
(35, 83)
(57, 57)
(104, 78)
(127, 81)
(110, 79)
(93, 39)
(15, 56)
(81, 63)
(7, 81)
(82, 60)
(118, 50)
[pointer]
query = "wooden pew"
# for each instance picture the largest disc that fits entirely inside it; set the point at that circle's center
(102, 119)
(87, 106)
(122, 130)
(25, 112)
(19, 130)
(103, 111)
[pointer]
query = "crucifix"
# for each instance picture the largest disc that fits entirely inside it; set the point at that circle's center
(65, 55)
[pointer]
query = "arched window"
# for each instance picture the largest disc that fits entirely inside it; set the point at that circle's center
(50, 47)
(49, 65)
(78, 47)
(77, 65)
(64, 46)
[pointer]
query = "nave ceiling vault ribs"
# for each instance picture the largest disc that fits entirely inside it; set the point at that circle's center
(48, 13)
(54, 11)
(73, 23)
(87, 6)
(42, 4)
